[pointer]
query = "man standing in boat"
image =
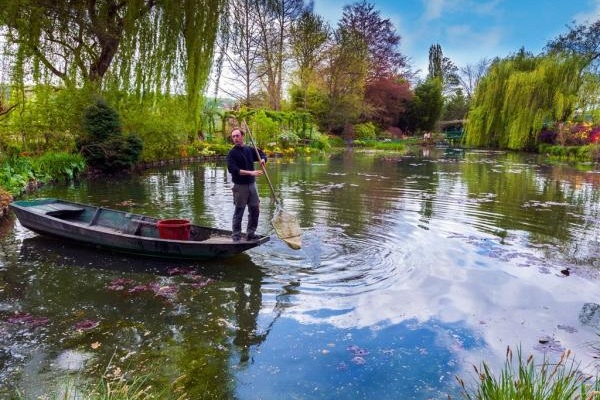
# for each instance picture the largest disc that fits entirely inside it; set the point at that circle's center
(240, 164)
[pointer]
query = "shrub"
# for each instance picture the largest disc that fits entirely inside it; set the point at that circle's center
(263, 129)
(159, 145)
(336, 141)
(579, 134)
(395, 132)
(547, 136)
(288, 139)
(595, 134)
(15, 174)
(101, 122)
(104, 147)
(320, 142)
(62, 165)
(365, 131)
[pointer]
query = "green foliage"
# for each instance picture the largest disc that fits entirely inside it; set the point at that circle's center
(336, 141)
(268, 126)
(15, 174)
(588, 153)
(61, 165)
(391, 146)
(104, 147)
(308, 36)
(162, 124)
(320, 141)
(144, 48)
(101, 122)
(48, 118)
(263, 128)
(220, 148)
(159, 145)
(456, 107)
(365, 131)
(348, 67)
(524, 379)
(442, 68)
(288, 139)
(425, 108)
(518, 96)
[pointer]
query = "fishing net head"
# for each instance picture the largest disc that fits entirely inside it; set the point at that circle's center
(287, 228)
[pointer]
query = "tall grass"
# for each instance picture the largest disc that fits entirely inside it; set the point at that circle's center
(523, 379)
(55, 166)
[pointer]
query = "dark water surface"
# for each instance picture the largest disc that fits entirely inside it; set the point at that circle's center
(413, 269)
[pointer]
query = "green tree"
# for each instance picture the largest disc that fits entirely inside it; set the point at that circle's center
(582, 40)
(309, 35)
(442, 68)
(518, 95)
(456, 106)
(344, 82)
(142, 46)
(104, 146)
(426, 106)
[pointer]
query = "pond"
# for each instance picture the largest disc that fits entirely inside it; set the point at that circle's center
(413, 269)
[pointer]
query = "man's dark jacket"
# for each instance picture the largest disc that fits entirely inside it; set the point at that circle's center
(242, 158)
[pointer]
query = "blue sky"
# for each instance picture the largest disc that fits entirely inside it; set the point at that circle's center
(469, 30)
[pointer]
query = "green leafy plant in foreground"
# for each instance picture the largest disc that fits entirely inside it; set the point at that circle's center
(522, 379)
(15, 174)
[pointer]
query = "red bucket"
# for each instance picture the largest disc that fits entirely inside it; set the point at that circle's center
(176, 229)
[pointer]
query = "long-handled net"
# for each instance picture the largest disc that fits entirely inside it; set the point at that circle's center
(285, 224)
(287, 228)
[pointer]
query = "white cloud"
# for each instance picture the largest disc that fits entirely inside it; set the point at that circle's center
(588, 16)
(433, 9)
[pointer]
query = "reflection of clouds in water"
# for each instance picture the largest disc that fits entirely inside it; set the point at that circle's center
(495, 290)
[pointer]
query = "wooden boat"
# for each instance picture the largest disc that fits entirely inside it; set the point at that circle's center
(123, 231)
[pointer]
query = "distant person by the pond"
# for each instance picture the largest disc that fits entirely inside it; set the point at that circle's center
(240, 164)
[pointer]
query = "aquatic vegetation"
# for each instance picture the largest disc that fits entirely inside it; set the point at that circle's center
(522, 378)
(27, 319)
(181, 271)
(119, 284)
(86, 325)
(165, 291)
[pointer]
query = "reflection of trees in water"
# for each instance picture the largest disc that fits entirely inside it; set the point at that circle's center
(551, 206)
(247, 307)
(187, 336)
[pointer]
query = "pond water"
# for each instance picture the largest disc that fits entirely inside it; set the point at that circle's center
(413, 269)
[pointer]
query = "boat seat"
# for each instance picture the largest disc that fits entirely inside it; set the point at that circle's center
(60, 210)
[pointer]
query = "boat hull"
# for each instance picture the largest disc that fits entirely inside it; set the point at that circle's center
(122, 231)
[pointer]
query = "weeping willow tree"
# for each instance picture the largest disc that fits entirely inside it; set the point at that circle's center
(140, 47)
(518, 96)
